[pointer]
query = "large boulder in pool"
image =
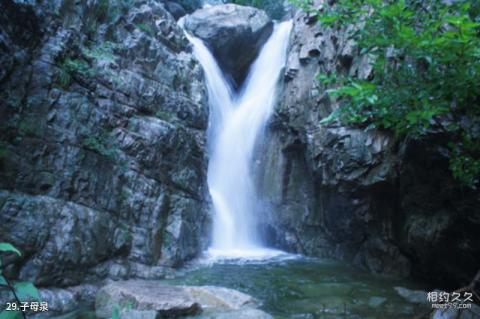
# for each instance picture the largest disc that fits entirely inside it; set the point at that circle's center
(234, 33)
(153, 299)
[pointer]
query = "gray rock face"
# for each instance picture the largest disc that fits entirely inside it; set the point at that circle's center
(386, 205)
(175, 9)
(452, 313)
(152, 299)
(234, 33)
(102, 141)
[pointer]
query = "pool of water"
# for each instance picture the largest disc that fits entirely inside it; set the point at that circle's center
(307, 288)
(294, 287)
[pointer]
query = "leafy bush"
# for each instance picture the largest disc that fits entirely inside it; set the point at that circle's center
(426, 71)
(21, 291)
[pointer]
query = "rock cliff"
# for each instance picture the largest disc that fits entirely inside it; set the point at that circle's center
(102, 154)
(364, 196)
(234, 33)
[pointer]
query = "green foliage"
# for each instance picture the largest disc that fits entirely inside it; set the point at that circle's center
(426, 71)
(101, 52)
(70, 66)
(116, 312)
(6, 247)
(116, 309)
(4, 152)
(100, 10)
(273, 8)
(21, 291)
(28, 126)
(99, 145)
(26, 291)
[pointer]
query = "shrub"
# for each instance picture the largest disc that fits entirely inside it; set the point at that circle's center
(426, 72)
(69, 66)
(21, 291)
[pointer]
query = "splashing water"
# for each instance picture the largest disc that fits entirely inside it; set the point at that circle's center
(236, 122)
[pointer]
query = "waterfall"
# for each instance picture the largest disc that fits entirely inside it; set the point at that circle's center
(236, 122)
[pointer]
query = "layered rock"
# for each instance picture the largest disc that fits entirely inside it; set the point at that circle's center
(387, 205)
(234, 33)
(102, 154)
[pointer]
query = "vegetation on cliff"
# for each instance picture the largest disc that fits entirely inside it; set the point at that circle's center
(426, 69)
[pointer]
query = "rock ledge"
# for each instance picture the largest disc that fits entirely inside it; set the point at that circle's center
(154, 299)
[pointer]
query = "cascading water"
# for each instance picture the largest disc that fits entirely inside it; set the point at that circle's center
(236, 122)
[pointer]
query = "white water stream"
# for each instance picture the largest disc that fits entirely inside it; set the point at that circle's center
(236, 122)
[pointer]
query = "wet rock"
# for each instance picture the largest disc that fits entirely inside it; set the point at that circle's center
(375, 302)
(221, 298)
(147, 296)
(175, 9)
(236, 314)
(60, 249)
(147, 299)
(414, 296)
(234, 33)
(189, 5)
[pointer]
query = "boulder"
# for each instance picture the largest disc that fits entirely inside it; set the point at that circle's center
(150, 299)
(175, 9)
(150, 296)
(234, 33)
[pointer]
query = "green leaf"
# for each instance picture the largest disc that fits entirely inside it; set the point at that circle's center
(332, 117)
(10, 315)
(26, 291)
(6, 247)
(372, 99)
(116, 312)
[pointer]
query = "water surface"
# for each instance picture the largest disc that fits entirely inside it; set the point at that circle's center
(308, 288)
